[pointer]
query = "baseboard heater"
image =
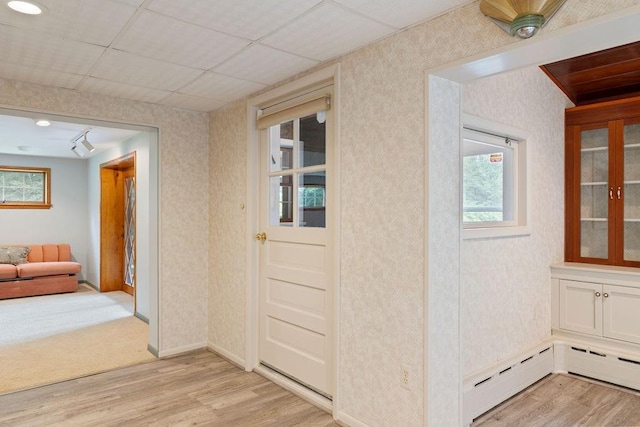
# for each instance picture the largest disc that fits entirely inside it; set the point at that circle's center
(603, 365)
(484, 391)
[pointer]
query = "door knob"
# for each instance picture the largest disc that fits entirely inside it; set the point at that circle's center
(261, 236)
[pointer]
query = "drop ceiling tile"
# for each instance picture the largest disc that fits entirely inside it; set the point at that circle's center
(264, 64)
(91, 21)
(125, 67)
(401, 13)
(189, 102)
(224, 88)
(178, 42)
(134, 3)
(250, 19)
(122, 90)
(23, 47)
(39, 76)
(326, 32)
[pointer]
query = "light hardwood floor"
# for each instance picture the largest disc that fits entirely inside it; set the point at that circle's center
(197, 388)
(566, 400)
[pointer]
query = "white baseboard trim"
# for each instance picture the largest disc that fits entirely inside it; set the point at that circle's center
(225, 354)
(180, 350)
(492, 386)
(615, 363)
(347, 420)
(600, 363)
(295, 388)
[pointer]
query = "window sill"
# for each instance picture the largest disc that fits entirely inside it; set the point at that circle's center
(495, 232)
(24, 206)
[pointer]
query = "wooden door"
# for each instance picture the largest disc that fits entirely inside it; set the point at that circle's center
(113, 211)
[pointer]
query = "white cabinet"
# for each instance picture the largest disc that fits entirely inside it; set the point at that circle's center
(599, 309)
(581, 307)
(621, 313)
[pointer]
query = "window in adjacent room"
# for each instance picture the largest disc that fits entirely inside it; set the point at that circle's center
(493, 181)
(25, 188)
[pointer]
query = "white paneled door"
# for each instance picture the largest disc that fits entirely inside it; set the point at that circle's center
(295, 279)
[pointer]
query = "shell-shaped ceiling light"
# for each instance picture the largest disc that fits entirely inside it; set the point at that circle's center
(520, 17)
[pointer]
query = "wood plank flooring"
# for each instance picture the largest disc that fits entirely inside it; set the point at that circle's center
(566, 400)
(197, 388)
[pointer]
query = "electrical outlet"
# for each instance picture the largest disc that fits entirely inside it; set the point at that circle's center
(405, 378)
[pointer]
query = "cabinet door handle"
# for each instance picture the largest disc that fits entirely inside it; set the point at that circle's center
(619, 193)
(611, 193)
(597, 294)
(606, 295)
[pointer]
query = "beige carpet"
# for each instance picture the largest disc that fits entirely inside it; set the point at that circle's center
(88, 349)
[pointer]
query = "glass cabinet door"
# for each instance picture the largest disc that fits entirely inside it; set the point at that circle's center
(629, 193)
(594, 193)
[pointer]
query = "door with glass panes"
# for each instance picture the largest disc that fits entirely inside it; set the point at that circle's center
(603, 188)
(295, 279)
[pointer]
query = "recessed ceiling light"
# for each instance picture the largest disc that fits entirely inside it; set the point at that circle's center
(43, 122)
(26, 7)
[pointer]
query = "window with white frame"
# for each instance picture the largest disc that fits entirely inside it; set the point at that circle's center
(493, 181)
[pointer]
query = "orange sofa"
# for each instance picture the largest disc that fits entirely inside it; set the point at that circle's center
(48, 270)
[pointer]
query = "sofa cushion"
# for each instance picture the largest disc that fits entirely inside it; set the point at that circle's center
(8, 271)
(38, 269)
(49, 253)
(13, 254)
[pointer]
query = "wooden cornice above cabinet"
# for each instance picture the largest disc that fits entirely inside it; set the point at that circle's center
(600, 76)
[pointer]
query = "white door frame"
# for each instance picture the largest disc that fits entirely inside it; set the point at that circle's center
(329, 74)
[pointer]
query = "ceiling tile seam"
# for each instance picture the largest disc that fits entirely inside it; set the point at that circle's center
(134, 16)
(51, 35)
(289, 22)
(48, 70)
(151, 58)
(217, 66)
(179, 90)
(194, 24)
(198, 97)
(362, 15)
(133, 85)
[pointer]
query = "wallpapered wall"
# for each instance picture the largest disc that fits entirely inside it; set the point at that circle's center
(382, 217)
(227, 238)
(505, 282)
(184, 197)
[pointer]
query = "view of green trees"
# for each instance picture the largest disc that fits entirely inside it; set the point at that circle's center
(482, 185)
(21, 186)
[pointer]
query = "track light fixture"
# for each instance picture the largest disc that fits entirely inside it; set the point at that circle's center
(85, 143)
(76, 151)
(90, 148)
(522, 18)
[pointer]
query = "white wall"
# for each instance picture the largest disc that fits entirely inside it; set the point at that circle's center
(505, 304)
(145, 147)
(65, 222)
